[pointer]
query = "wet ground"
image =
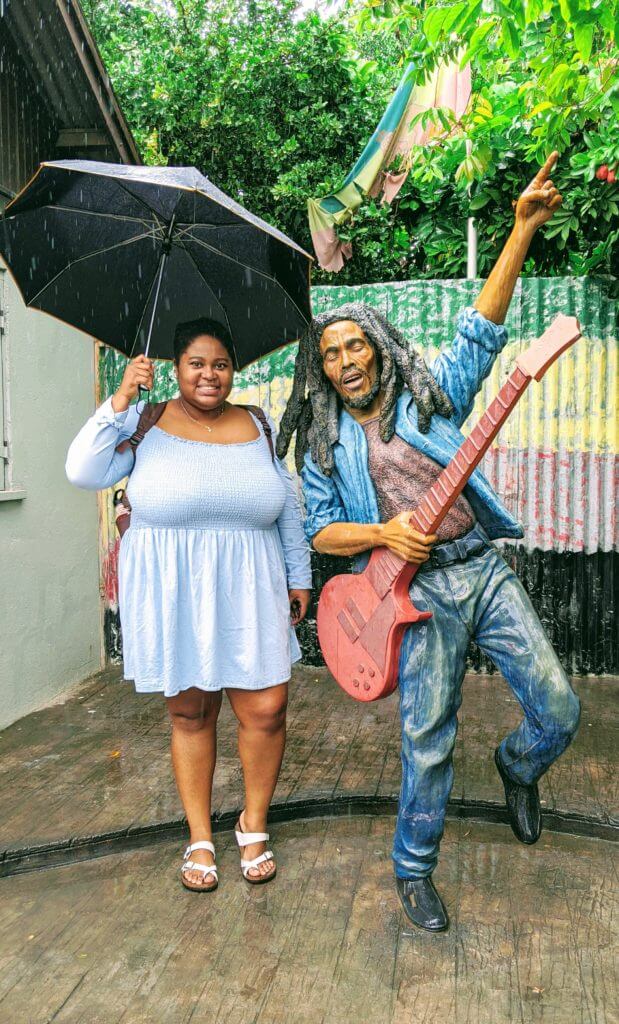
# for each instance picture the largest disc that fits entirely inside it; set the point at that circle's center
(111, 936)
(98, 765)
(118, 940)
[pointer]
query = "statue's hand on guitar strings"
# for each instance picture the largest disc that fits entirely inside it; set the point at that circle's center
(401, 537)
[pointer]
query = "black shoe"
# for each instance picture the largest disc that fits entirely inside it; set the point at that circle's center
(523, 808)
(422, 904)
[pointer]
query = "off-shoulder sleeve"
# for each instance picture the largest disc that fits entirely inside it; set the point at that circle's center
(92, 460)
(290, 525)
(461, 370)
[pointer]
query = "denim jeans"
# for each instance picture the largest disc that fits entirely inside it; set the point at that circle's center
(480, 599)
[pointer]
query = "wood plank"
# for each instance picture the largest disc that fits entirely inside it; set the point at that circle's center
(118, 941)
(78, 768)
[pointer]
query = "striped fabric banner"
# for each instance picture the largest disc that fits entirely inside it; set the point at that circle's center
(385, 162)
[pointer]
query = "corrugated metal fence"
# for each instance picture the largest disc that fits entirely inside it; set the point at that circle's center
(554, 463)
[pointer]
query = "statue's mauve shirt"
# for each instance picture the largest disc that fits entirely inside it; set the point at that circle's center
(402, 475)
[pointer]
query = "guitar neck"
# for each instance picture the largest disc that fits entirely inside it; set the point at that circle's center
(437, 502)
(386, 566)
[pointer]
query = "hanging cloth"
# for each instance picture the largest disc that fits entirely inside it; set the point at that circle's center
(391, 144)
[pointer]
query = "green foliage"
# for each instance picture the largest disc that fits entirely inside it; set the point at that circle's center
(545, 77)
(271, 107)
(275, 105)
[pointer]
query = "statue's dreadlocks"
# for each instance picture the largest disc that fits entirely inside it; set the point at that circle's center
(315, 416)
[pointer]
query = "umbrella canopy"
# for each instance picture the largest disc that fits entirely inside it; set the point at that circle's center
(126, 253)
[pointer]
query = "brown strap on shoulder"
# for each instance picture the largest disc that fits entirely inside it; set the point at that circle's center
(266, 426)
(148, 417)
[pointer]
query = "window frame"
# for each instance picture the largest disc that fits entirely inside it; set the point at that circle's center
(4, 444)
(7, 491)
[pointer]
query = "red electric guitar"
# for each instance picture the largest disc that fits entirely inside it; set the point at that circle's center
(362, 617)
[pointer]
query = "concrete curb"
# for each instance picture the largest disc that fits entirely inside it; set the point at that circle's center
(84, 848)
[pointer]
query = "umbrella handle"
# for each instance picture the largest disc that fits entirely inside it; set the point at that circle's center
(143, 396)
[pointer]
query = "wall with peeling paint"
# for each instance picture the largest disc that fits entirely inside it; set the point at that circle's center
(554, 463)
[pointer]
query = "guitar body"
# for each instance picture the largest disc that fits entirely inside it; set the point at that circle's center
(361, 622)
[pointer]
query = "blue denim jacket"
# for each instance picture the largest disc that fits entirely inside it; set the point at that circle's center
(348, 496)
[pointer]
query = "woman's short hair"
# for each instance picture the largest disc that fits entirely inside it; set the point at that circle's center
(187, 332)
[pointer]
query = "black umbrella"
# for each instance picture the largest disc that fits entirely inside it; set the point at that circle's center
(126, 253)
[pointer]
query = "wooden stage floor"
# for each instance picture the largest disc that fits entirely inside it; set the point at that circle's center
(108, 934)
(118, 941)
(99, 766)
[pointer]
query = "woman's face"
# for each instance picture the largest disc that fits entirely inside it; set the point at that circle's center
(205, 373)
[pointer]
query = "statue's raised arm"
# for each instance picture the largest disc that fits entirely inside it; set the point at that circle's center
(534, 208)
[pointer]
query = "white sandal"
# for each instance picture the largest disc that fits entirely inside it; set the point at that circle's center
(206, 869)
(246, 839)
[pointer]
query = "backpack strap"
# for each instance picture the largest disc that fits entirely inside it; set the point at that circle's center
(148, 417)
(266, 426)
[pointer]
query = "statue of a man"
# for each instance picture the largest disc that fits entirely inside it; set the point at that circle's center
(373, 432)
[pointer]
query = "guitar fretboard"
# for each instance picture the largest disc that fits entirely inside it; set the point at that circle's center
(436, 502)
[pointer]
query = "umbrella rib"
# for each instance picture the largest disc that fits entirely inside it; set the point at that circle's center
(87, 256)
(220, 304)
(260, 273)
(184, 228)
(139, 198)
(107, 216)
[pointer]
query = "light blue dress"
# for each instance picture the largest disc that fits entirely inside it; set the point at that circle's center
(216, 539)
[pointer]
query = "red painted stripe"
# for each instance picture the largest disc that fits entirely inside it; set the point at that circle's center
(566, 501)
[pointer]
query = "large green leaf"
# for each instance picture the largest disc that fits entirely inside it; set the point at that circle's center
(583, 37)
(433, 23)
(510, 38)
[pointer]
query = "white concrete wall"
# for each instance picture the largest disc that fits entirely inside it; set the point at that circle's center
(50, 627)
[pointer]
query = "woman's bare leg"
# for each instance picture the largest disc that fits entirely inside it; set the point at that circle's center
(262, 737)
(193, 714)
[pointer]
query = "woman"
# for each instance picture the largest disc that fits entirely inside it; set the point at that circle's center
(209, 571)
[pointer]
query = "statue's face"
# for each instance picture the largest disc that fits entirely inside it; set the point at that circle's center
(348, 360)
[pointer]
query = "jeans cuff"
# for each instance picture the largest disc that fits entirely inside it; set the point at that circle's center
(507, 766)
(414, 876)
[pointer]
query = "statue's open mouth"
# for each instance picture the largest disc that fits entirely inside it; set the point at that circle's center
(352, 380)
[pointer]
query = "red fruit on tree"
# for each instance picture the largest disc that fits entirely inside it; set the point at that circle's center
(611, 177)
(602, 172)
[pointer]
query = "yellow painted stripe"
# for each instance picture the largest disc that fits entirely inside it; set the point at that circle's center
(571, 409)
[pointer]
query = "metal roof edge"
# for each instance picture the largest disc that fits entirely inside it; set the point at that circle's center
(79, 32)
